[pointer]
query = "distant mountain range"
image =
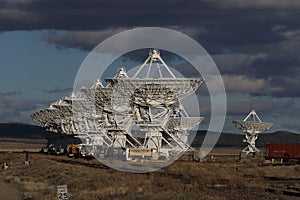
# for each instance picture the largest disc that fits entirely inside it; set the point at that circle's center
(26, 131)
(236, 140)
(20, 130)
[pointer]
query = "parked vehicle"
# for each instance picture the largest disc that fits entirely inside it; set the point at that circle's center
(73, 150)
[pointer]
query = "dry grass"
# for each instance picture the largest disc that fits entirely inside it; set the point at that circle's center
(181, 180)
(18, 145)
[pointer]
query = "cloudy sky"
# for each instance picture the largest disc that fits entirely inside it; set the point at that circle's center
(255, 44)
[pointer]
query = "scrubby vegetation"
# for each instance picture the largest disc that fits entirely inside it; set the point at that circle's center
(218, 178)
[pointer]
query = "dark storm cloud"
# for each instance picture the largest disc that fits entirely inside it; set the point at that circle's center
(225, 23)
(19, 110)
(84, 40)
(91, 15)
(222, 36)
(10, 93)
(284, 64)
(290, 85)
(255, 43)
(246, 104)
(56, 90)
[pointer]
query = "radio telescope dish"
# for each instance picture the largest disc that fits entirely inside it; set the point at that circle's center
(132, 117)
(251, 126)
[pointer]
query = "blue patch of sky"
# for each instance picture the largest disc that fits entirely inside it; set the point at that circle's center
(30, 65)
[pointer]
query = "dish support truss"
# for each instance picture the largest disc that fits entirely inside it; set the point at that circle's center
(136, 112)
(251, 128)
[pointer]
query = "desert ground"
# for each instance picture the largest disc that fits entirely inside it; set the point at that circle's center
(219, 176)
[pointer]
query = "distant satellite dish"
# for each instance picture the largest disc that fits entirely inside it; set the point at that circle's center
(251, 126)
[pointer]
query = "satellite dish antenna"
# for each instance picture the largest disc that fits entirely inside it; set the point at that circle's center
(139, 116)
(251, 126)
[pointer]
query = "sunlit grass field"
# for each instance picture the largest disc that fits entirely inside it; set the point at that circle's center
(219, 178)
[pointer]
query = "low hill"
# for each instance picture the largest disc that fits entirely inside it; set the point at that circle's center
(236, 140)
(20, 130)
(279, 137)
